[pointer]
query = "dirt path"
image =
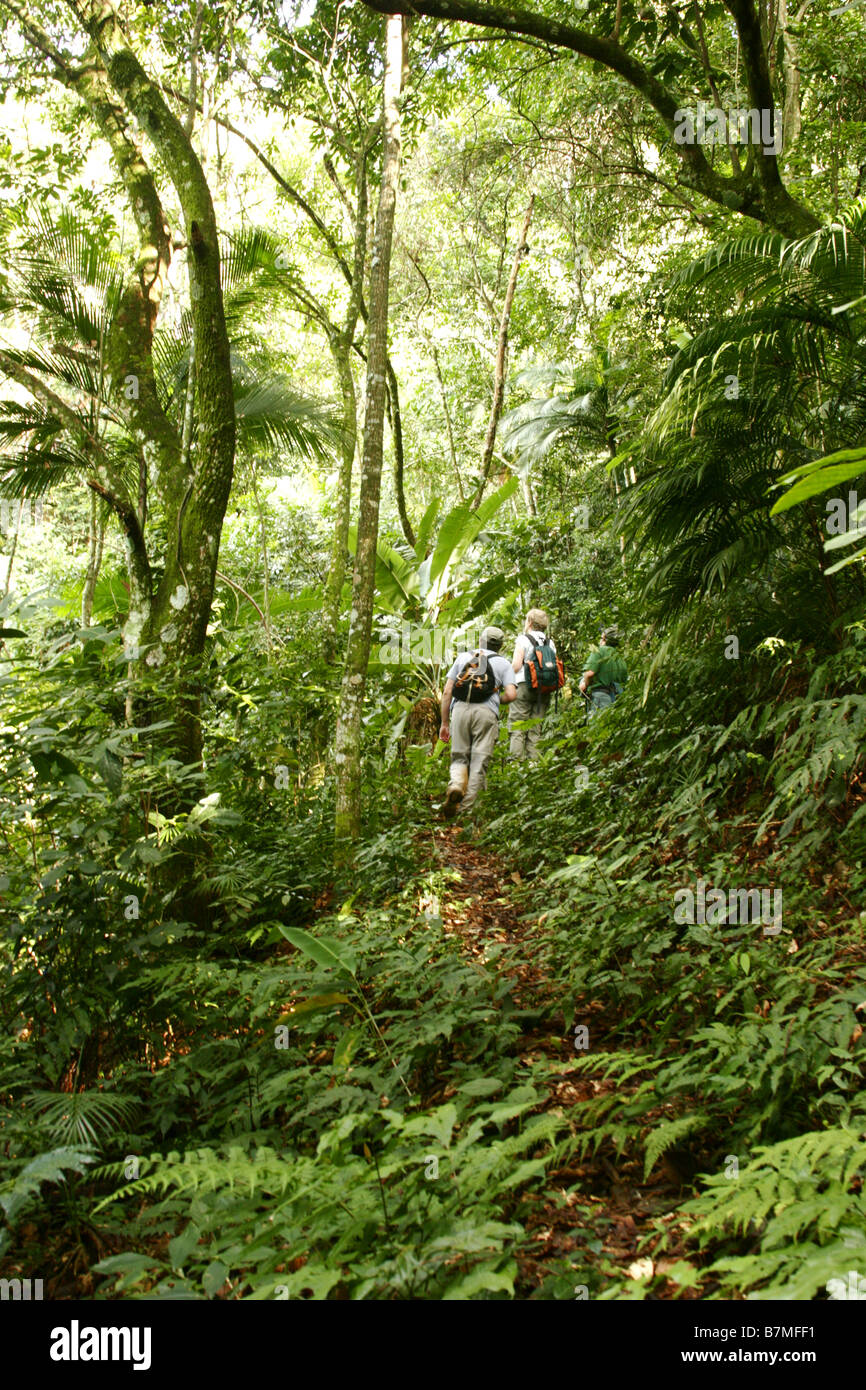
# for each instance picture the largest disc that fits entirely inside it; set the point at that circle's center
(598, 1211)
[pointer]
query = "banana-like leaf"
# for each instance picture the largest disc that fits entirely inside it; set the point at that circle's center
(324, 950)
(454, 526)
(396, 579)
(425, 527)
(462, 525)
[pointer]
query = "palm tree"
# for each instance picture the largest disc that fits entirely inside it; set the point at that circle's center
(62, 292)
(578, 406)
(773, 377)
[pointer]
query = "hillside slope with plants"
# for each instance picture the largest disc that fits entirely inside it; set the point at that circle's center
(328, 340)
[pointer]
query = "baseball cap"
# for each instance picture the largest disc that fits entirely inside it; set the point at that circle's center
(492, 637)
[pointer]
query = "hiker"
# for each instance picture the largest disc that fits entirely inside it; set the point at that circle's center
(538, 673)
(605, 672)
(470, 717)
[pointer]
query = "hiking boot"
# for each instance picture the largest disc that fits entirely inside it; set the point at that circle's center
(451, 804)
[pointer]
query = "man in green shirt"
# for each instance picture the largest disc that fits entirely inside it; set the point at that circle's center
(604, 673)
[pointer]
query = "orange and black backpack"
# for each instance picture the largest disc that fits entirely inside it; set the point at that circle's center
(544, 669)
(476, 681)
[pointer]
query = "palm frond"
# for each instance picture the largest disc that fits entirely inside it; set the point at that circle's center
(82, 1118)
(272, 415)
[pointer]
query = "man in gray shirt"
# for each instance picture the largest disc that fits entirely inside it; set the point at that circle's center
(472, 724)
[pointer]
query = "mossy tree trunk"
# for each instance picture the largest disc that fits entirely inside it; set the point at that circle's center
(167, 623)
(341, 350)
(348, 740)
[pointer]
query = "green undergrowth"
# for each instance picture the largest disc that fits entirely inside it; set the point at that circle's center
(346, 1118)
(733, 1045)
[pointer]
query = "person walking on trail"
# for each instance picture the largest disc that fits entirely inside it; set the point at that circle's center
(605, 672)
(530, 703)
(470, 717)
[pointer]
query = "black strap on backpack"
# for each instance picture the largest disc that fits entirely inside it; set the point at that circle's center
(475, 685)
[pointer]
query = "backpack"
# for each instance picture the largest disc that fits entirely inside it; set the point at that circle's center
(474, 685)
(544, 669)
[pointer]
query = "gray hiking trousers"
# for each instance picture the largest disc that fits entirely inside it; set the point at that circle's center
(474, 731)
(524, 742)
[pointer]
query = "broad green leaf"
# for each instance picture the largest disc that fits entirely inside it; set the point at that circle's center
(109, 767)
(130, 1262)
(347, 1047)
(462, 525)
(425, 527)
(482, 1086)
(183, 1245)
(396, 578)
(439, 1123)
(820, 476)
(316, 1004)
(453, 527)
(481, 1280)
(214, 1277)
(324, 950)
(490, 506)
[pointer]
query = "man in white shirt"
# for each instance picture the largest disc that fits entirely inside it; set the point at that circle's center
(529, 704)
(472, 724)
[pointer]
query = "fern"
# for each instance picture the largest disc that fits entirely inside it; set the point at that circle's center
(18, 1193)
(800, 1198)
(666, 1135)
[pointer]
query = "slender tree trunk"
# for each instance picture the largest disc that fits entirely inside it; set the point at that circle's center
(528, 494)
(501, 357)
(348, 741)
(95, 542)
(444, 398)
(266, 562)
(340, 540)
(397, 431)
(341, 351)
(12, 549)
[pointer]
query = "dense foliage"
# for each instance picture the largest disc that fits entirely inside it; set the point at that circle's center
(239, 1059)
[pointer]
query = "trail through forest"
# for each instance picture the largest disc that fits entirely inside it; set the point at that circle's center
(594, 1210)
(340, 343)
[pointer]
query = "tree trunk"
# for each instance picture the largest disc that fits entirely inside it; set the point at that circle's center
(95, 541)
(348, 741)
(393, 399)
(501, 356)
(341, 350)
(173, 625)
(340, 541)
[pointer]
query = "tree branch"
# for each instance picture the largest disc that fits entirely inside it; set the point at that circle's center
(768, 201)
